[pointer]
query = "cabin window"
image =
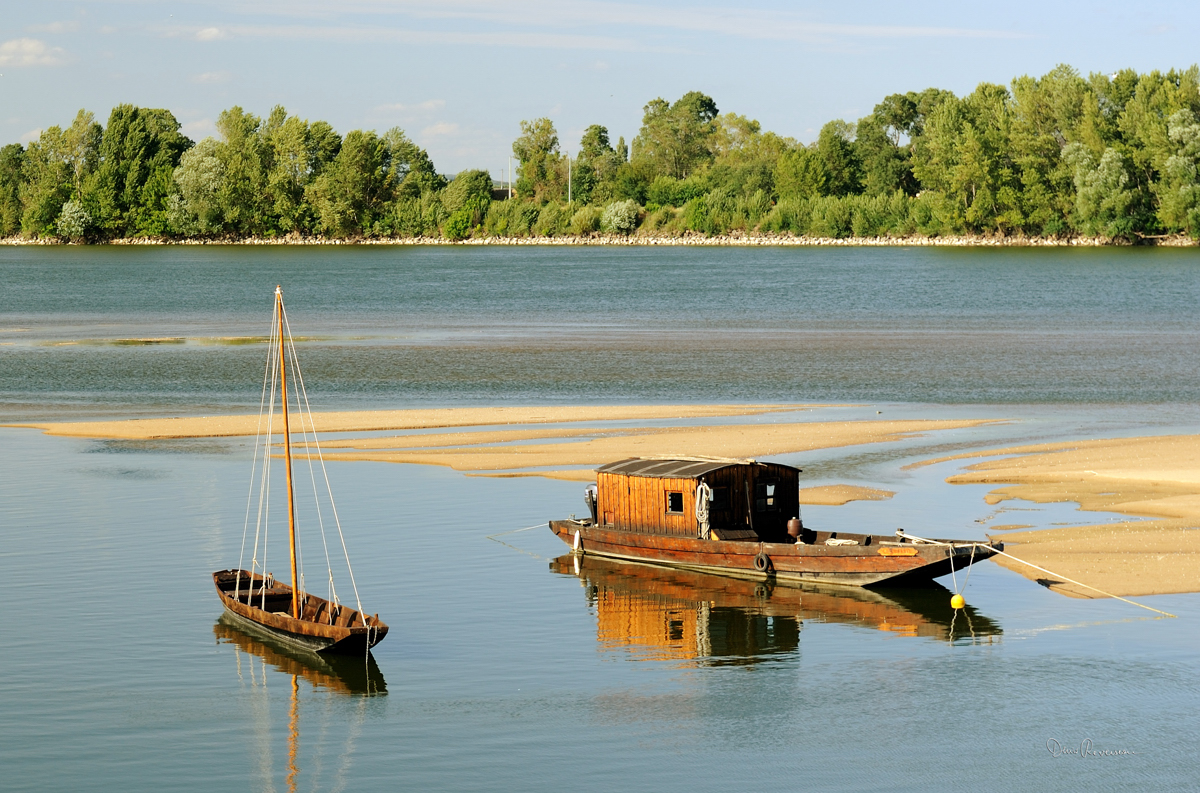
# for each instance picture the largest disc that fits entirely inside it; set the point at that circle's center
(720, 499)
(766, 497)
(674, 502)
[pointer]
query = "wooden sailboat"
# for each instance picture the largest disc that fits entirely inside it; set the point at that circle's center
(253, 598)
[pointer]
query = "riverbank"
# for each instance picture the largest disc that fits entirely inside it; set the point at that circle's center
(650, 239)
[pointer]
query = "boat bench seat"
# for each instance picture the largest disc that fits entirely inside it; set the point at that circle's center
(735, 534)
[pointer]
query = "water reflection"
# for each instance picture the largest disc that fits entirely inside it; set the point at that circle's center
(658, 613)
(340, 674)
(358, 677)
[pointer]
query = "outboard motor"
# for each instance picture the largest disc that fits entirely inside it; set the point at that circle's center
(589, 498)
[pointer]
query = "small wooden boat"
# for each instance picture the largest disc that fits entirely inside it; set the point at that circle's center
(740, 518)
(253, 597)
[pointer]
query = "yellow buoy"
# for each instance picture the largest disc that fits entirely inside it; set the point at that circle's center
(957, 602)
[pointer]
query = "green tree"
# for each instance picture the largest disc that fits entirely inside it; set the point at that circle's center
(129, 192)
(12, 160)
(1179, 190)
(246, 157)
(801, 173)
(355, 190)
(836, 153)
(675, 138)
(47, 183)
(538, 158)
(198, 210)
(1107, 203)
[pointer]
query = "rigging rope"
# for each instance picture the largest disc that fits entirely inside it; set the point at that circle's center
(250, 493)
(324, 472)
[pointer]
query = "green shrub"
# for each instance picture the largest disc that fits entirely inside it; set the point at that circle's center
(586, 221)
(620, 217)
(552, 220)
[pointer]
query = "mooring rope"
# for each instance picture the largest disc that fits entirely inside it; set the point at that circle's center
(1078, 583)
(974, 545)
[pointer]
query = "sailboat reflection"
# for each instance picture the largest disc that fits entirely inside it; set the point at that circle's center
(341, 674)
(336, 675)
(661, 613)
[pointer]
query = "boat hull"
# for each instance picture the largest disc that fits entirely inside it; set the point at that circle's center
(326, 628)
(873, 560)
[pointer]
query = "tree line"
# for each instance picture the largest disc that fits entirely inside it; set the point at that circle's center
(1114, 156)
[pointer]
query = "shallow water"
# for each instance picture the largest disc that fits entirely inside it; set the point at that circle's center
(506, 669)
(433, 326)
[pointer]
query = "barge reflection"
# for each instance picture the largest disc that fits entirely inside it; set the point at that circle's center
(660, 613)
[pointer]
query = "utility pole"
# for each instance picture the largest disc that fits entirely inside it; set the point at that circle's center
(568, 178)
(510, 176)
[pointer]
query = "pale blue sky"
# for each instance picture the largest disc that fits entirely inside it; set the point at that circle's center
(458, 75)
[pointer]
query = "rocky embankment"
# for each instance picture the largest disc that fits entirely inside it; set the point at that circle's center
(651, 239)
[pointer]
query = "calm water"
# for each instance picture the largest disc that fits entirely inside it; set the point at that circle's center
(507, 669)
(435, 326)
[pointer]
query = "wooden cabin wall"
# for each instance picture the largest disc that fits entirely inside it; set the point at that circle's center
(740, 480)
(639, 503)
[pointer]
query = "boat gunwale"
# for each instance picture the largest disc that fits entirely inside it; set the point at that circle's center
(372, 626)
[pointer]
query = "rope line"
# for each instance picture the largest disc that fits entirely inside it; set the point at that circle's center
(325, 473)
(974, 545)
(1085, 586)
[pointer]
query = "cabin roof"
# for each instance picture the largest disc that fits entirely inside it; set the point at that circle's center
(672, 468)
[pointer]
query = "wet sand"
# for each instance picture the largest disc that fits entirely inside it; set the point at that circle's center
(586, 448)
(376, 420)
(1150, 477)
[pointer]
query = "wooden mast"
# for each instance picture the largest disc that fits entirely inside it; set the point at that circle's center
(287, 454)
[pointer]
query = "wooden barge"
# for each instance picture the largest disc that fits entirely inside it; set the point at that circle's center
(741, 518)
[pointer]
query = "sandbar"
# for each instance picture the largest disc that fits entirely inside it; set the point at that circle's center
(375, 420)
(840, 495)
(590, 448)
(1155, 477)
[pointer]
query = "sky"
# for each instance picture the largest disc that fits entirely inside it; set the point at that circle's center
(458, 76)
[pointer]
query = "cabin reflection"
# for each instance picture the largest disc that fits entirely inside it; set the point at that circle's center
(661, 613)
(337, 673)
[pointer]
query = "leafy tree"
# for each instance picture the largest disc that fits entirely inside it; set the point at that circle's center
(246, 157)
(46, 185)
(675, 138)
(12, 159)
(201, 178)
(1106, 202)
(836, 153)
(1047, 114)
(538, 155)
(130, 190)
(467, 199)
(353, 191)
(801, 174)
(1179, 191)
(1145, 143)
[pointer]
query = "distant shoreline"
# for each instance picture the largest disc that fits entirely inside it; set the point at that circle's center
(717, 240)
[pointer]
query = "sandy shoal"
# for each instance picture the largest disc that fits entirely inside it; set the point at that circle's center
(1155, 477)
(590, 449)
(375, 420)
(840, 495)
